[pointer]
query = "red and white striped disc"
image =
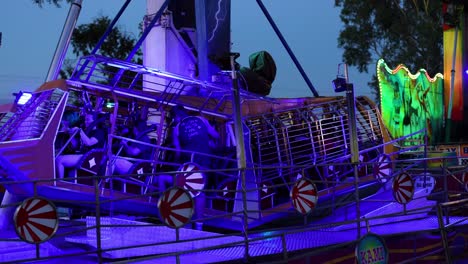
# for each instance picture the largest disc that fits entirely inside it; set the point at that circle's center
(36, 220)
(383, 168)
(403, 188)
(191, 179)
(175, 207)
(304, 195)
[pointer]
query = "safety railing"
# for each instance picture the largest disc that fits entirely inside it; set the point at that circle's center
(444, 210)
(124, 78)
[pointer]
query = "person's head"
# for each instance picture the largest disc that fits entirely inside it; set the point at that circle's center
(139, 126)
(178, 113)
(70, 119)
(89, 118)
(65, 124)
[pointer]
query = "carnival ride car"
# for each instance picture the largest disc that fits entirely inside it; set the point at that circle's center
(286, 139)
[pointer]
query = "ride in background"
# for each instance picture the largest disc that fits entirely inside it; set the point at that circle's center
(411, 102)
(418, 101)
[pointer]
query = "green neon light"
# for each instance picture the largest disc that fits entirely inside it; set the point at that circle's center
(411, 102)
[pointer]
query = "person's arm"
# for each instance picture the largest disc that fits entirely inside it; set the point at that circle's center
(175, 140)
(88, 141)
(74, 143)
(131, 150)
(211, 130)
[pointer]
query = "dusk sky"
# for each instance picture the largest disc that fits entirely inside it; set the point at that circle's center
(311, 28)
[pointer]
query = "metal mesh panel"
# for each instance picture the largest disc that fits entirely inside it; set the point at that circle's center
(313, 135)
(29, 120)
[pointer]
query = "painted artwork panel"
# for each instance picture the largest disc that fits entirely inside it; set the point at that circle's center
(411, 103)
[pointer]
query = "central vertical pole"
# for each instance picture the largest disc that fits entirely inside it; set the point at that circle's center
(202, 49)
(155, 47)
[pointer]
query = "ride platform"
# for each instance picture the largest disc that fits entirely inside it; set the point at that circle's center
(409, 231)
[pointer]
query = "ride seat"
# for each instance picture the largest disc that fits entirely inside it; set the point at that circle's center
(362, 168)
(266, 193)
(92, 162)
(224, 198)
(139, 178)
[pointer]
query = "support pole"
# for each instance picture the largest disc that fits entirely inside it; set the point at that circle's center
(64, 41)
(452, 87)
(147, 30)
(240, 150)
(452, 74)
(202, 43)
(240, 147)
(353, 138)
(138, 44)
(288, 49)
(104, 36)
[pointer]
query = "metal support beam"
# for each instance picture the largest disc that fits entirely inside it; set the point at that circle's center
(104, 36)
(202, 44)
(147, 30)
(288, 49)
(64, 41)
(110, 27)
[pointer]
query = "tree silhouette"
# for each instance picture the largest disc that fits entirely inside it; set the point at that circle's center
(85, 37)
(41, 3)
(399, 31)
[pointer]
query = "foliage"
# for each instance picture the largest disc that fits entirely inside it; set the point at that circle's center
(399, 31)
(117, 44)
(41, 3)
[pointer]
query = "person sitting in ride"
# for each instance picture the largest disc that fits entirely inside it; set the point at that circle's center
(65, 142)
(92, 136)
(134, 150)
(193, 134)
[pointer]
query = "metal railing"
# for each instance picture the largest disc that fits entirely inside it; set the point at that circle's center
(164, 88)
